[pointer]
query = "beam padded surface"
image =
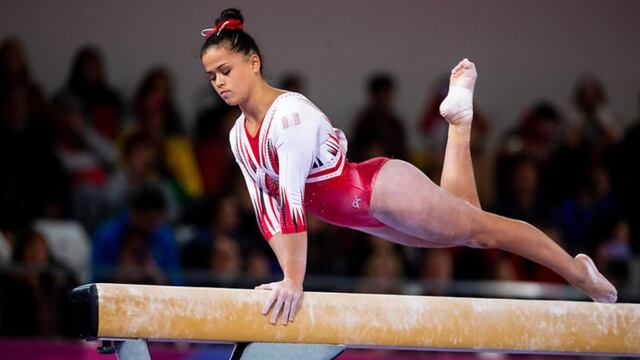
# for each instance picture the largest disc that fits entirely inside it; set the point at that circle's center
(366, 320)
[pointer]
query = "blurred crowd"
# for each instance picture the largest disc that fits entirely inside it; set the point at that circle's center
(96, 187)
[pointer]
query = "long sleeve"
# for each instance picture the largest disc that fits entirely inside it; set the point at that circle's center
(265, 206)
(296, 145)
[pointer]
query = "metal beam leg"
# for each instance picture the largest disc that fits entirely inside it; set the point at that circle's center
(132, 350)
(267, 351)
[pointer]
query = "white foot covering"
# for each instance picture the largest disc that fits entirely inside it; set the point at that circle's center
(457, 107)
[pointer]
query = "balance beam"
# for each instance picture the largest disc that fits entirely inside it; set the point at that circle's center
(110, 311)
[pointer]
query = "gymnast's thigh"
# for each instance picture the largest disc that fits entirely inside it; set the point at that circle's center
(398, 237)
(405, 199)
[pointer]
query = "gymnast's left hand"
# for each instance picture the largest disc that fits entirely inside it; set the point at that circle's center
(285, 296)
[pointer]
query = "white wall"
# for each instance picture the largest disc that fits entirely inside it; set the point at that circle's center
(525, 50)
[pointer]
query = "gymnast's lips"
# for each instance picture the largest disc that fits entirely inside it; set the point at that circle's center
(222, 94)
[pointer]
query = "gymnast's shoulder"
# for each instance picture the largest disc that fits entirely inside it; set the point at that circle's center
(296, 108)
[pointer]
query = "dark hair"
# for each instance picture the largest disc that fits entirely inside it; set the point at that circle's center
(586, 81)
(24, 238)
(7, 47)
(77, 83)
(546, 111)
(380, 82)
(148, 197)
(173, 122)
(238, 39)
(135, 140)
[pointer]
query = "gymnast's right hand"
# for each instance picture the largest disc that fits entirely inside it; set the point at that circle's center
(286, 295)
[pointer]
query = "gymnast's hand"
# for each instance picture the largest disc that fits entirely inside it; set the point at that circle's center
(286, 295)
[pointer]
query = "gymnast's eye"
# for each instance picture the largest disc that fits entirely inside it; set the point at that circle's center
(226, 72)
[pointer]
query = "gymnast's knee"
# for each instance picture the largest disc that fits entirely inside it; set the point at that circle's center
(482, 242)
(482, 232)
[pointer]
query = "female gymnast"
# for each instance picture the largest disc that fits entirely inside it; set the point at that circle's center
(293, 161)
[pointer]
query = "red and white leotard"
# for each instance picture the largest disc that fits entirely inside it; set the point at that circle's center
(297, 163)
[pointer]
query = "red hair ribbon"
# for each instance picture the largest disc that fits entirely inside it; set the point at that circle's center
(230, 24)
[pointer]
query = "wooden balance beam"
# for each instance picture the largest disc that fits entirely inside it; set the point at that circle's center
(109, 311)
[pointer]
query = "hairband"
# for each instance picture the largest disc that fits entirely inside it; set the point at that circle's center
(227, 24)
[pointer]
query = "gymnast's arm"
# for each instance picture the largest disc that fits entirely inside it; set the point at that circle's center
(291, 251)
(295, 144)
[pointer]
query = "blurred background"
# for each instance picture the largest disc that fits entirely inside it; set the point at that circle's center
(115, 164)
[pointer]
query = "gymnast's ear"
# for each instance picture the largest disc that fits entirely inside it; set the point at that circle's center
(255, 62)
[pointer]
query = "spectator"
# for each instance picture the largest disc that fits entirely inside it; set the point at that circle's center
(14, 73)
(437, 268)
(81, 149)
(592, 120)
(383, 268)
(347, 254)
(578, 213)
(293, 82)
(258, 267)
(34, 297)
(223, 222)
(87, 158)
(141, 164)
(519, 197)
(26, 159)
(613, 249)
(157, 117)
(593, 133)
(437, 265)
(137, 246)
(213, 152)
(246, 213)
(538, 137)
(100, 105)
(225, 260)
(378, 131)
(627, 178)
(473, 264)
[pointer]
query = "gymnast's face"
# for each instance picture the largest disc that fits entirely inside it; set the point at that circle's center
(233, 75)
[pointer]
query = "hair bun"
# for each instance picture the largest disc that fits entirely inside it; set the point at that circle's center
(229, 14)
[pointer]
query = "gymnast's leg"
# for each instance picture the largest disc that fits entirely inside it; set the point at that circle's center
(457, 108)
(398, 237)
(405, 199)
(457, 172)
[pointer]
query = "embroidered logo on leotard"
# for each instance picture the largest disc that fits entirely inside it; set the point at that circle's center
(356, 203)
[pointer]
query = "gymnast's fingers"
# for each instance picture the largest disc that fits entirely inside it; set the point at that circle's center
(272, 298)
(287, 308)
(263, 287)
(277, 307)
(294, 308)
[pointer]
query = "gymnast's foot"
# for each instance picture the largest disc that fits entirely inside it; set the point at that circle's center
(593, 282)
(457, 107)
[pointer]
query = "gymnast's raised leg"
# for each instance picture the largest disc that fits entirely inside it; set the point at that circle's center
(457, 108)
(408, 202)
